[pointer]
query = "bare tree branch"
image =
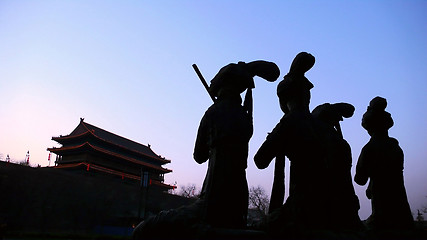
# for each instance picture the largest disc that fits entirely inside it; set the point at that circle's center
(189, 191)
(258, 199)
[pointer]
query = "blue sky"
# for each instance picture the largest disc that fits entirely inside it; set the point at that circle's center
(125, 66)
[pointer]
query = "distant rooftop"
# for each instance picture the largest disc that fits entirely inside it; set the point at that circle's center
(84, 128)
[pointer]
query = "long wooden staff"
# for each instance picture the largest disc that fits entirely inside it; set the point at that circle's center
(202, 79)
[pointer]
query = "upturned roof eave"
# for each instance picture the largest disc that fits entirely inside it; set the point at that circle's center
(114, 172)
(88, 145)
(153, 155)
(89, 132)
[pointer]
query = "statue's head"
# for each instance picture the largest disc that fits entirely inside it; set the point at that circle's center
(295, 86)
(233, 77)
(291, 87)
(376, 118)
(333, 113)
(236, 78)
(302, 62)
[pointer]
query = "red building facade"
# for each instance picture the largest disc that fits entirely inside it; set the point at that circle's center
(92, 149)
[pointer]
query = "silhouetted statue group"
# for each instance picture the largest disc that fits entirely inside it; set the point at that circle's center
(322, 202)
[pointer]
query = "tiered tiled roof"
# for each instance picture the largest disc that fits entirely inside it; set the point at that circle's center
(111, 147)
(85, 129)
(89, 146)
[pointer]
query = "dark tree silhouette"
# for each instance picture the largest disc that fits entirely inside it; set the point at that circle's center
(189, 191)
(258, 199)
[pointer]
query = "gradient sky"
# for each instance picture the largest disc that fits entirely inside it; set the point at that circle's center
(125, 66)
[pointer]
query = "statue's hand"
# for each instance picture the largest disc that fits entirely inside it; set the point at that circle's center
(368, 193)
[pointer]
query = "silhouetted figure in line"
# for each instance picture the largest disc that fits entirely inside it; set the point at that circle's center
(296, 136)
(223, 137)
(343, 202)
(381, 162)
(222, 140)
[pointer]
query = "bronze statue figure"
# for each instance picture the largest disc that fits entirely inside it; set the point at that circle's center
(223, 137)
(320, 171)
(343, 203)
(296, 136)
(381, 162)
(301, 64)
(222, 140)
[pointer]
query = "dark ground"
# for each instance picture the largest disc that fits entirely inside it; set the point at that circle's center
(47, 203)
(54, 203)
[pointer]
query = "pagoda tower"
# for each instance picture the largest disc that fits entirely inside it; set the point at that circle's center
(91, 149)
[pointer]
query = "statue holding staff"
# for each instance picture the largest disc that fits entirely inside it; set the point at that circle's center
(223, 139)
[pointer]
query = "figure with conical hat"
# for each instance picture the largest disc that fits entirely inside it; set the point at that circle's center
(296, 136)
(381, 162)
(223, 138)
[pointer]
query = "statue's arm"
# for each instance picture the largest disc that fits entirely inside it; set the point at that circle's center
(400, 154)
(264, 155)
(201, 148)
(269, 149)
(362, 168)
